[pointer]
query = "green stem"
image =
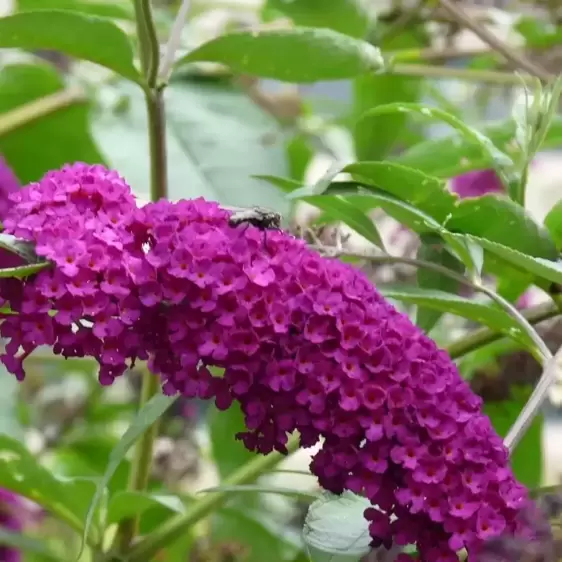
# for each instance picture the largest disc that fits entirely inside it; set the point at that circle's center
(157, 141)
(149, 48)
(484, 336)
(36, 109)
(174, 528)
(541, 351)
(149, 52)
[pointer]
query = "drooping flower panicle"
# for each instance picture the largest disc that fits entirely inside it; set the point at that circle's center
(305, 343)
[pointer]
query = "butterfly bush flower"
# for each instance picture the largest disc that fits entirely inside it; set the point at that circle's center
(8, 184)
(305, 343)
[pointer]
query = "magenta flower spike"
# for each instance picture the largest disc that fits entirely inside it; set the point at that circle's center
(306, 343)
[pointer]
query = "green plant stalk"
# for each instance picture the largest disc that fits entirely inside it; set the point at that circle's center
(149, 48)
(170, 531)
(149, 52)
(484, 336)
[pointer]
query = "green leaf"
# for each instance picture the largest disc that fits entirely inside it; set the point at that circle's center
(228, 452)
(301, 557)
(335, 528)
(454, 155)
(429, 194)
(49, 142)
(145, 418)
(104, 8)
(539, 34)
(527, 459)
(79, 35)
(372, 198)
(299, 155)
(553, 223)
(541, 268)
(28, 545)
(346, 211)
(257, 542)
(435, 252)
(467, 250)
(493, 157)
(345, 16)
(20, 472)
(87, 454)
(300, 54)
(216, 140)
(286, 185)
(375, 138)
(127, 504)
(497, 218)
(487, 315)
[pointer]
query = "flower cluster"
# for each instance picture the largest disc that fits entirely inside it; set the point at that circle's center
(301, 342)
(476, 183)
(80, 218)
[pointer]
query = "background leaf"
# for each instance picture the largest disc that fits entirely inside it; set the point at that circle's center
(487, 315)
(292, 55)
(492, 155)
(128, 503)
(20, 472)
(375, 138)
(354, 216)
(257, 542)
(119, 9)
(553, 223)
(228, 453)
(545, 269)
(145, 418)
(403, 212)
(453, 155)
(433, 251)
(345, 16)
(216, 140)
(426, 193)
(63, 136)
(79, 35)
(527, 459)
(497, 218)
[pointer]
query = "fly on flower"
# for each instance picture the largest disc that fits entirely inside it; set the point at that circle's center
(264, 219)
(261, 218)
